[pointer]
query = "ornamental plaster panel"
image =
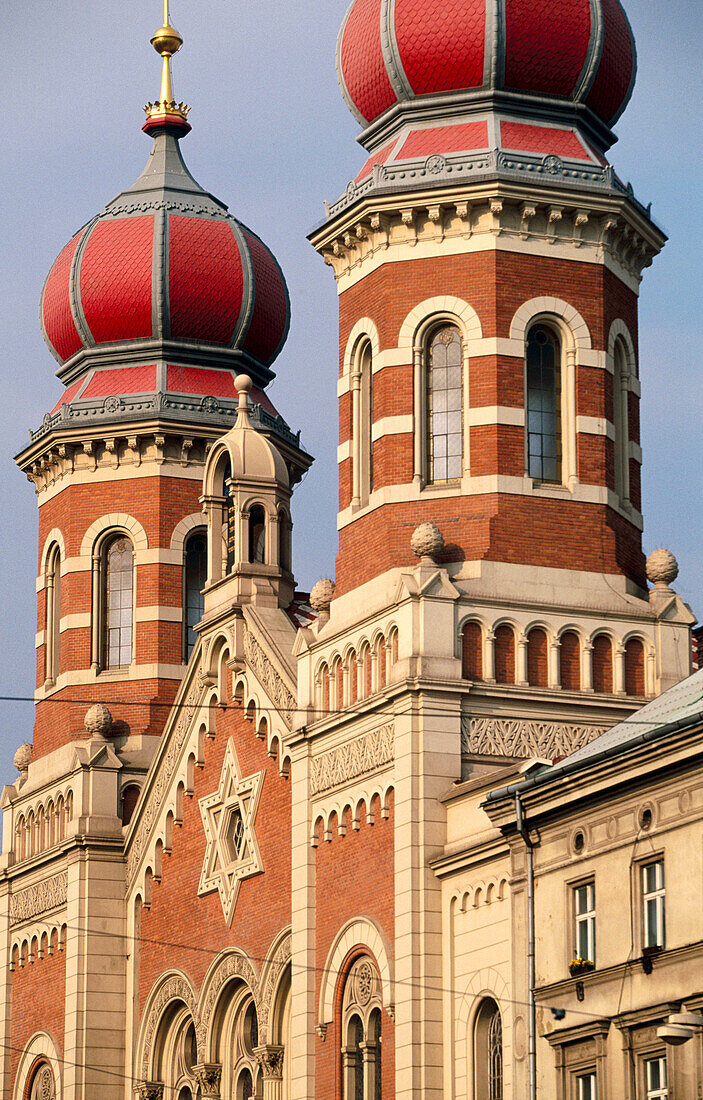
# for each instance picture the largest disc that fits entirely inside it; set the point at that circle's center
(523, 738)
(346, 805)
(175, 986)
(362, 755)
(42, 897)
(270, 680)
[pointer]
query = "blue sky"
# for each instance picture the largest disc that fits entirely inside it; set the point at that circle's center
(272, 138)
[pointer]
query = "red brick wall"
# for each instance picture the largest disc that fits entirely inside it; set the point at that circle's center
(181, 929)
(504, 654)
(602, 664)
(31, 1009)
(537, 658)
(570, 661)
(354, 877)
(472, 652)
(527, 530)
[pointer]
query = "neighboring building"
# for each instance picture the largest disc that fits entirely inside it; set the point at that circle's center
(249, 852)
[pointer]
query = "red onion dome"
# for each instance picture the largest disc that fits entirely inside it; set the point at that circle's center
(166, 262)
(392, 51)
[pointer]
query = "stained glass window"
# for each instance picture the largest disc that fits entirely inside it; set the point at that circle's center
(444, 405)
(118, 603)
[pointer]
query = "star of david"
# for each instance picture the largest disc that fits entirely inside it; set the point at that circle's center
(232, 852)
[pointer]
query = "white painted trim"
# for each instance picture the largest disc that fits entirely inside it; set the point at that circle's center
(358, 932)
(490, 484)
(392, 425)
(441, 305)
(183, 529)
(392, 357)
(81, 676)
(572, 322)
(40, 1045)
(595, 425)
(344, 451)
(495, 414)
(54, 537)
(364, 328)
(158, 613)
(114, 520)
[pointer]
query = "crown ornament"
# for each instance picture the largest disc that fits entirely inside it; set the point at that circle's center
(166, 41)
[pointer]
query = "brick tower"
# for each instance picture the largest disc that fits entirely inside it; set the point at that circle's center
(488, 262)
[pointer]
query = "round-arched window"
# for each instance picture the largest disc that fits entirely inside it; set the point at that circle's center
(42, 1087)
(443, 396)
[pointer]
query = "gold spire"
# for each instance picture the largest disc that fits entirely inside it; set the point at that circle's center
(167, 41)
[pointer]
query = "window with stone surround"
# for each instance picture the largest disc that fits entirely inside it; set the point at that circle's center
(444, 405)
(194, 580)
(655, 1078)
(361, 1030)
(584, 907)
(488, 1052)
(543, 445)
(580, 1060)
(363, 423)
(653, 904)
(42, 1085)
(117, 601)
(621, 421)
(53, 615)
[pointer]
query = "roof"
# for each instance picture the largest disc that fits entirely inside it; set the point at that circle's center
(681, 707)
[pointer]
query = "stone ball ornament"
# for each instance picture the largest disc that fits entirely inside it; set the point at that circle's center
(662, 568)
(427, 541)
(322, 595)
(98, 720)
(23, 758)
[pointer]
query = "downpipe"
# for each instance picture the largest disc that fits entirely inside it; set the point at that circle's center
(532, 1013)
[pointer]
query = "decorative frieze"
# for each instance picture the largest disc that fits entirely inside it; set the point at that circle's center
(280, 695)
(523, 737)
(355, 758)
(40, 898)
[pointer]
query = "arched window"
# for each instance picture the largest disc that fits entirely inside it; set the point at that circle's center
(472, 652)
(362, 1039)
(194, 580)
(621, 422)
(130, 797)
(443, 397)
(504, 654)
(488, 1052)
(53, 616)
(364, 424)
(42, 1085)
(537, 658)
(602, 664)
(570, 661)
(229, 519)
(634, 667)
(543, 404)
(118, 573)
(284, 541)
(257, 534)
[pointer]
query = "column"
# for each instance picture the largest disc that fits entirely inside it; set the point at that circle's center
(270, 1059)
(586, 667)
(554, 672)
(208, 1076)
(619, 685)
(95, 613)
(521, 664)
(489, 657)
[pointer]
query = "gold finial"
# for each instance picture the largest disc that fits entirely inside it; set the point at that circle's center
(167, 41)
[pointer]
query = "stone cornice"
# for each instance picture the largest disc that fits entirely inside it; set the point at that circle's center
(490, 213)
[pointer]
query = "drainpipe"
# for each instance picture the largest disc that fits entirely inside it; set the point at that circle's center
(532, 1016)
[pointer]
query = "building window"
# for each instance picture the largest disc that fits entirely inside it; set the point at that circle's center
(42, 1087)
(284, 541)
(118, 603)
(543, 404)
(362, 1037)
(194, 580)
(257, 534)
(655, 1078)
(364, 423)
(586, 1088)
(653, 904)
(585, 921)
(53, 616)
(488, 1052)
(621, 423)
(444, 405)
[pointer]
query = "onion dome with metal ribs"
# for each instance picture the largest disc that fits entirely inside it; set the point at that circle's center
(165, 268)
(565, 51)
